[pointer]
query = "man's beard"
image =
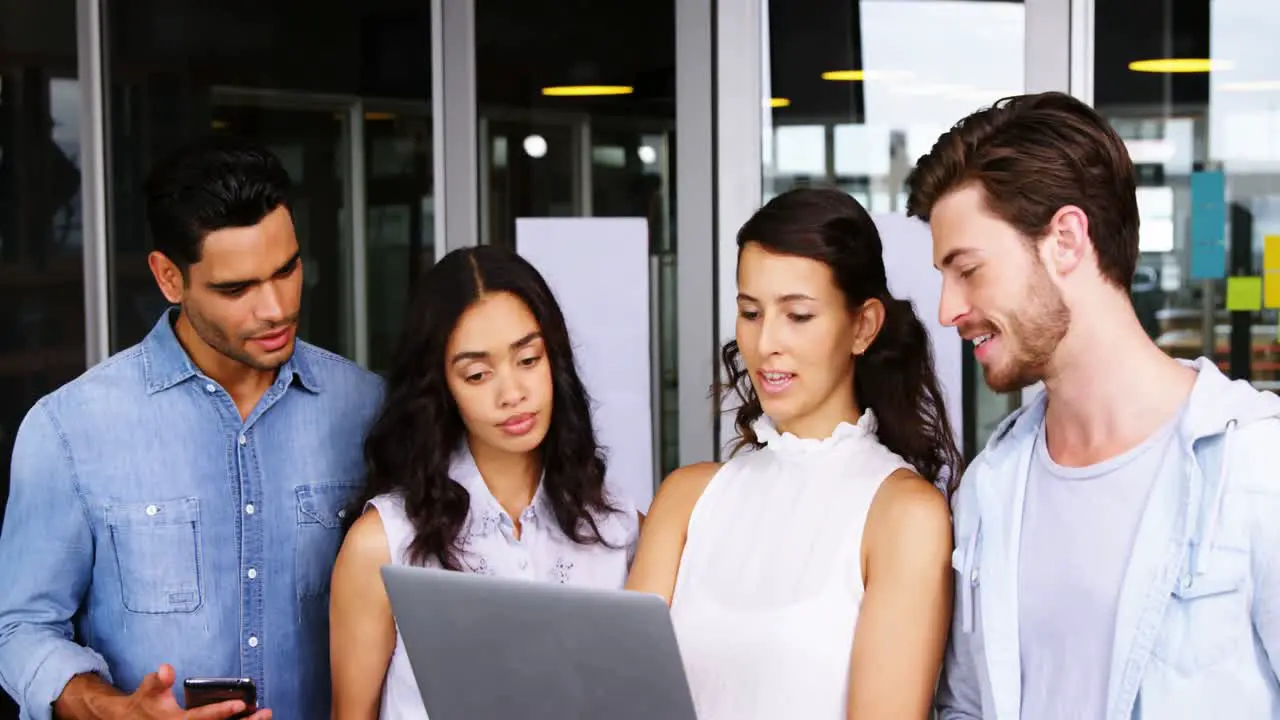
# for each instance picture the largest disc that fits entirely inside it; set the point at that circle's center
(216, 338)
(1031, 336)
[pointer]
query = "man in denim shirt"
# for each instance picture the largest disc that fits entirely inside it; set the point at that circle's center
(176, 510)
(1117, 542)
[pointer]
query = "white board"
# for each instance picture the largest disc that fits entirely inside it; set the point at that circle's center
(598, 269)
(908, 263)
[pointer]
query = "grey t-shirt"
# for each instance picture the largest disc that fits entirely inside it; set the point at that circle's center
(1078, 530)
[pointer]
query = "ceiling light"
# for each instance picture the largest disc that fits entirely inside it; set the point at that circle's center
(587, 90)
(843, 75)
(779, 102)
(1179, 65)
(535, 146)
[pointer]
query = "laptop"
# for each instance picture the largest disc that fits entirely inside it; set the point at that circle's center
(483, 648)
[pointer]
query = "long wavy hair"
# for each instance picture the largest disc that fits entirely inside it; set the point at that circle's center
(895, 377)
(412, 442)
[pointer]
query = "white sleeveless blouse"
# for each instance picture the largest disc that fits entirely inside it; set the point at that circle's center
(770, 581)
(490, 547)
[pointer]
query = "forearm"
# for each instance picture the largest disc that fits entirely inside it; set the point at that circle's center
(88, 697)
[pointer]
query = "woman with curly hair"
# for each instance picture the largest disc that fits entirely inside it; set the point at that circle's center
(483, 460)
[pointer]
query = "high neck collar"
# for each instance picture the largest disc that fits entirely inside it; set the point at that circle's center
(845, 434)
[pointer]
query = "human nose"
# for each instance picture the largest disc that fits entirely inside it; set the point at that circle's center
(952, 304)
(270, 307)
(511, 390)
(769, 341)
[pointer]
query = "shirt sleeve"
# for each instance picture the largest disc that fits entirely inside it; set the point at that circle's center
(1266, 588)
(959, 695)
(46, 549)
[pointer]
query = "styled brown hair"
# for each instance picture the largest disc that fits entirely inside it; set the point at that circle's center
(1032, 155)
(895, 377)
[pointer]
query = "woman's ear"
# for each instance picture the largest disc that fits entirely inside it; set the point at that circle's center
(867, 323)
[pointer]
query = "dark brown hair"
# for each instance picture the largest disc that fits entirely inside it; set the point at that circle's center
(1032, 155)
(895, 377)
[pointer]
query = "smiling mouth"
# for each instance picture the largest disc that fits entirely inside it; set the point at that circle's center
(772, 381)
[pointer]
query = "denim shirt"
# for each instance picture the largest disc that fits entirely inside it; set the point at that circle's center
(1197, 629)
(148, 524)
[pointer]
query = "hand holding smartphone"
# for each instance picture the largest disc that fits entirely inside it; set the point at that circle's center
(199, 692)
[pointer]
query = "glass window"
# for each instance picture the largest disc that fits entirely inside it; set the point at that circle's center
(42, 314)
(400, 233)
(352, 85)
(878, 82)
(576, 118)
(1194, 89)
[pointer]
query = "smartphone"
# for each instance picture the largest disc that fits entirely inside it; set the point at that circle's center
(199, 692)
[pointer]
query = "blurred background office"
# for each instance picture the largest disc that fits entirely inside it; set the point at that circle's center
(416, 126)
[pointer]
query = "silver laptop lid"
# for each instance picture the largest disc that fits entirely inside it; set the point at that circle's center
(485, 648)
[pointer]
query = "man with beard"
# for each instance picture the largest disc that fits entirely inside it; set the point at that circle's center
(176, 510)
(1116, 542)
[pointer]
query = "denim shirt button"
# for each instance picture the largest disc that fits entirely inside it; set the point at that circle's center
(249, 509)
(253, 641)
(253, 573)
(211, 388)
(244, 440)
(152, 509)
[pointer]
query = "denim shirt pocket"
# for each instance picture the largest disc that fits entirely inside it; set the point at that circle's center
(158, 555)
(322, 510)
(1208, 619)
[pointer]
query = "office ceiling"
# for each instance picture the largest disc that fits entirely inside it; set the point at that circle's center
(382, 48)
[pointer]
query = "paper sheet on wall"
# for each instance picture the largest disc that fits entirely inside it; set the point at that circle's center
(598, 269)
(1244, 294)
(1208, 225)
(1271, 271)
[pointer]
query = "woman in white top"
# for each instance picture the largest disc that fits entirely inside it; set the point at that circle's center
(809, 576)
(482, 460)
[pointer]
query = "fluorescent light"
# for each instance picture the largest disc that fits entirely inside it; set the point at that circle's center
(1179, 65)
(587, 90)
(843, 75)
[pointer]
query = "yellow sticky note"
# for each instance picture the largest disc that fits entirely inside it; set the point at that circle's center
(1271, 252)
(1244, 294)
(1271, 289)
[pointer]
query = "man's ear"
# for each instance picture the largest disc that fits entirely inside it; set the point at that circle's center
(171, 280)
(1067, 245)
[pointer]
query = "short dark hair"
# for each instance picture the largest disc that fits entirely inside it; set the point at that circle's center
(895, 377)
(1033, 154)
(217, 182)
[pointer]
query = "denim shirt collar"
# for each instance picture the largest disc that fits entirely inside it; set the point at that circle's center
(166, 363)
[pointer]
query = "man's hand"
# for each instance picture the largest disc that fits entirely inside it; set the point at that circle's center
(87, 697)
(154, 700)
